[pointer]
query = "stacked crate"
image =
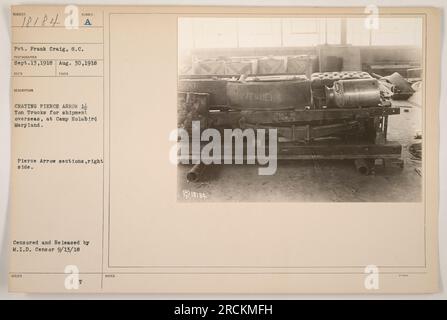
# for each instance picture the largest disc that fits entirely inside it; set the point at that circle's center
(237, 66)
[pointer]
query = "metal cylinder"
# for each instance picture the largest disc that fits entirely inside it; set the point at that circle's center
(265, 95)
(354, 93)
(363, 166)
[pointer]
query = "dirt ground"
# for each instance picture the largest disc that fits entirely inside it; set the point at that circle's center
(316, 180)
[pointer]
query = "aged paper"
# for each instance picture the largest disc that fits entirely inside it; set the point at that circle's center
(99, 205)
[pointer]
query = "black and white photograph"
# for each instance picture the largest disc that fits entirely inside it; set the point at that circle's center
(300, 109)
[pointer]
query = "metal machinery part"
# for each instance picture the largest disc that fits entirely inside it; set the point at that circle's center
(354, 93)
(192, 106)
(338, 115)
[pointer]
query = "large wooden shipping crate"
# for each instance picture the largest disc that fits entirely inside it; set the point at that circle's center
(272, 65)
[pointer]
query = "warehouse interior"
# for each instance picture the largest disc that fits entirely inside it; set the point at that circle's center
(317, 50)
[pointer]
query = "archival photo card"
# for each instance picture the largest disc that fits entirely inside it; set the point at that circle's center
(301, 108)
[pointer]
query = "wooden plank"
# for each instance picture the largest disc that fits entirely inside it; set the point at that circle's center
(231, 118)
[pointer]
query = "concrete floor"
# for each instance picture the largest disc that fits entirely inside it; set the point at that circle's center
(316, 180)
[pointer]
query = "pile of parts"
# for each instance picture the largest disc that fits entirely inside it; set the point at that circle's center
(332, 115)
